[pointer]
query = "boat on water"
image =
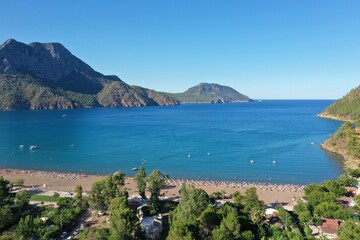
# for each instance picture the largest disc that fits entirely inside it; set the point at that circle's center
(251, 161)
(134, 169)
(189, 156)
(33, 147)
(21, 146)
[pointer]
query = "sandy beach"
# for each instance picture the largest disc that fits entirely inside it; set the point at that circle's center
(47, 181)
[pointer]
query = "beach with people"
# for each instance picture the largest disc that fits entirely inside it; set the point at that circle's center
(47, 182)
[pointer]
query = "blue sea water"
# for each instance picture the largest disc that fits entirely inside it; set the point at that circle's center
(198, 141)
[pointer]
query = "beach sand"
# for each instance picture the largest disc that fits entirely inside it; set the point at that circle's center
(66, 182)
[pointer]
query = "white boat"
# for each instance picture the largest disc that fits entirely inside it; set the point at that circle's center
(274, 162)
(134, 169)
(32, 147)
(21, 146)
(251, 161)
(189, 156)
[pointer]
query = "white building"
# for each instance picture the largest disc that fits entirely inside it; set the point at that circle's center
(152, 226)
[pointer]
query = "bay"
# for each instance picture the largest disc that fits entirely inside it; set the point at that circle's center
(197, 141)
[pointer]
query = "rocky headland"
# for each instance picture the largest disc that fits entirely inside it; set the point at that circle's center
(346, 141)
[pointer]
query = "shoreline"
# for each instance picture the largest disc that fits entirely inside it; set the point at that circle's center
(347, 160)
(47, 182)
(326, 115)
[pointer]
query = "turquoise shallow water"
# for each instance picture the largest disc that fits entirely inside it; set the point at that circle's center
(104, 140)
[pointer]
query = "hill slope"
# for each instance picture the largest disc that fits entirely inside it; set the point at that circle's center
(347, 108)
(209, 92)
(346, 141)
(48, 76)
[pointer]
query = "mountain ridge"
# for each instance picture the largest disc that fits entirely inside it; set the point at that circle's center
(49, 76)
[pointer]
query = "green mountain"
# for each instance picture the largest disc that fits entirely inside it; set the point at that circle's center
(346, 140)
(209, 93)
(48, 76)
(347, 108)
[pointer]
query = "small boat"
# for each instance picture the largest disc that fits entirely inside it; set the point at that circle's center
(209, 154)
(312, 143)
(72, 145)
(134, 169)
(274, 162)
(64, 115)
(33, 147)
(189, 156)
(21, 146)
(251, 161)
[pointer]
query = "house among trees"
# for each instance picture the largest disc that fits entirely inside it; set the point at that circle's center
(329, 228)
(353, 191)
(347, 201)
(152, 226)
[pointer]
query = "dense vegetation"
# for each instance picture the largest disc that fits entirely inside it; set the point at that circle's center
(196, 216)
(206, 92)
(347, 108)
(346, 140)
(30, 221)
(24, 91)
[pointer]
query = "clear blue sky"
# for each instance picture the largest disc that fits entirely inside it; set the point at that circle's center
(265, 49)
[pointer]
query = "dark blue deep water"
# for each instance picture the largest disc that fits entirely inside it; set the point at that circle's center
(222, 139)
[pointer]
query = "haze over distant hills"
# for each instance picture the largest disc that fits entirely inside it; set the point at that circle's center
(48, 76)
(210, 92)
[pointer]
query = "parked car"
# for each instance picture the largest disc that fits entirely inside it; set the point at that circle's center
(77, 231)
(63, 235)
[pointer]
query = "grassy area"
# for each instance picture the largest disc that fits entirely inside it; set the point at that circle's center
(43, 198)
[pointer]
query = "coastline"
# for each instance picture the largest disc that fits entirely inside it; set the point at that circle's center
(334, 117)
(327, 145)
(47, 182)
(347, 162)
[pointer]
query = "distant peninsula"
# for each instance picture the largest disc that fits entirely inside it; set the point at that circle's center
(209, 93)
(346, 140)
